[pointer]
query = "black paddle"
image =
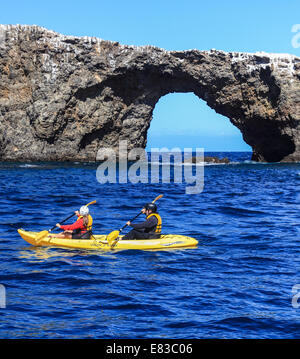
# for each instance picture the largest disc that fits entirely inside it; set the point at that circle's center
(112, 237)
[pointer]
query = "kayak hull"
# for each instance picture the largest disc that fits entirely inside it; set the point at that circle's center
(100, 242)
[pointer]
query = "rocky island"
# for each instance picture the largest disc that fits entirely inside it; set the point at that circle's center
(64, 97)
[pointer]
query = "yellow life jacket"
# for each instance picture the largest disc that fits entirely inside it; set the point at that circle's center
(159, 222)
(90, 222)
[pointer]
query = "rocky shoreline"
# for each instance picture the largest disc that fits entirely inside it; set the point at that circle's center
(209, 159)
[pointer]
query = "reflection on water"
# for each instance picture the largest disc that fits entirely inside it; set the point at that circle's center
(43, 253)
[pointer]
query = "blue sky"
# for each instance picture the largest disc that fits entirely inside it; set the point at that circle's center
(231, 25)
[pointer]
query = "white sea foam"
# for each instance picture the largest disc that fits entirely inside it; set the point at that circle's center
(188, 164)
(28, 165)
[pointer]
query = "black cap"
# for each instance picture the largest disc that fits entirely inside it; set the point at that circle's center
(151, 206)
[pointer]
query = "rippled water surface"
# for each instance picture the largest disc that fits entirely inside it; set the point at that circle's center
(236, 284)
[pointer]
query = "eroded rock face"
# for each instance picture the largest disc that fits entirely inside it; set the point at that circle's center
(64, 97)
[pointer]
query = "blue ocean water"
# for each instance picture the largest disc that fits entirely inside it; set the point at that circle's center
(236, 284)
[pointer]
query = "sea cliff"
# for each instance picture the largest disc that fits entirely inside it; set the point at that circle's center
(64, 97)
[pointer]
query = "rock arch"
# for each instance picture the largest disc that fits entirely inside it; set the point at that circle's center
(63, 97)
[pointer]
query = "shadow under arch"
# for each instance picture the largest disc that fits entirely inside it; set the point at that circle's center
(228, 94)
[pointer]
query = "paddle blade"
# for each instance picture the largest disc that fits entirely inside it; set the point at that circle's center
(93, 202)
(157, 198)
(40, 236)
(112, 236)
(114, 243)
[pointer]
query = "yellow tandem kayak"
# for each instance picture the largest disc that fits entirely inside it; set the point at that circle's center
(100, 242)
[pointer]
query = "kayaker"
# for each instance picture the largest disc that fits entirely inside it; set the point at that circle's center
(151, 228)
(81, 229)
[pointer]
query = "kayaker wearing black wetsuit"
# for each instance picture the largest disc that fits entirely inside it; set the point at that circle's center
(151, 228)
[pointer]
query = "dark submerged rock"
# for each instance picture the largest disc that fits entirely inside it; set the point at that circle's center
(209, 159)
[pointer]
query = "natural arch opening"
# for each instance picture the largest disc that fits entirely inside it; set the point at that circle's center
(184, 120)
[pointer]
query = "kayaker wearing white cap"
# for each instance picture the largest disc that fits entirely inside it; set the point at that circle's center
(81, 229)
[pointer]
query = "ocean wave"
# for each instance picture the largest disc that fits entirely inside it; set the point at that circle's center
(237, 282)
(187, 164)
(29, 165)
